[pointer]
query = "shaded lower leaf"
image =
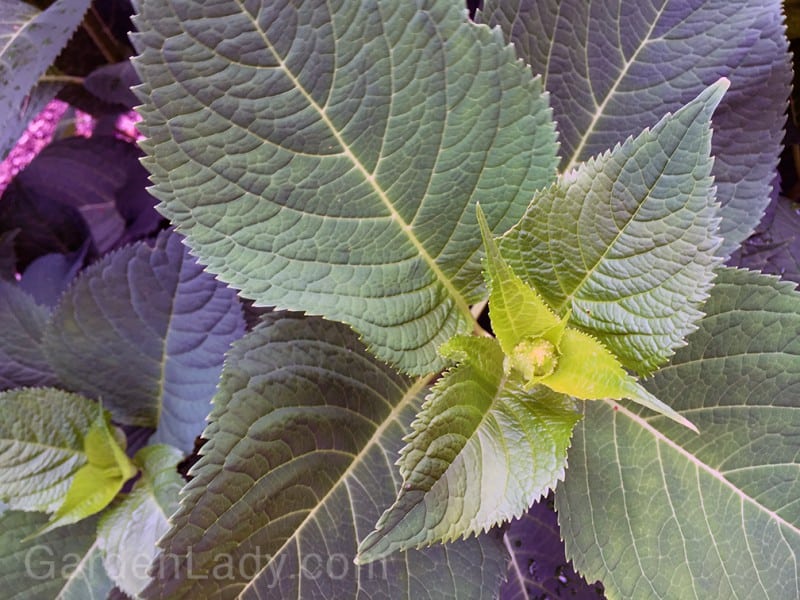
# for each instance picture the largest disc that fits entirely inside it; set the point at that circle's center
(41, 445)
(48, 276)
(775, 246)
(64, 564)
(299, 463)
(22, 322)
(43, 227)
(658, 512)
(129, 530)
(145, 329)
(539, 569)
(482, 450)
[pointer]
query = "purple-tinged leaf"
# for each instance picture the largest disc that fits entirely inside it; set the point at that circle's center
(539, 568)
(22, 322)
(112, 83)
(48, 276)
(88, 175)
(775, 246)
(42, 226)
(145, 330)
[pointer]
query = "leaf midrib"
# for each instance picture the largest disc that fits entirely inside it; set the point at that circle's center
(395, 216)
(698, 464)
(375, 440)
(600, 108)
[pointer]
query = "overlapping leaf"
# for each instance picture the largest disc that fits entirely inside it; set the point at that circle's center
(775, 247)
(30, 40)
(41, 445)
(627, 240)
(90, 175)
(145, 330)
(327, 157)
(299, 464)
(22, 321)
(64, 564)
(96, 483)
(481, 451)
(615, 69)
(128, 532)
(657, 512)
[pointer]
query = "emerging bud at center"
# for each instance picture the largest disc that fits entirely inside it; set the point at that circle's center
(534, 358)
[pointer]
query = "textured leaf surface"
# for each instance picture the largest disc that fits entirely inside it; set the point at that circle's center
(96, 483)
(299, 463)
(64, 564)
(626, 241)
(128, 532)
(538, 567)
(544, 350)
(346, 193)
(614, 69)
(145, 329)
(481, 451)
(41, 445)
(30, 40)
(22, 322)
(657, 512)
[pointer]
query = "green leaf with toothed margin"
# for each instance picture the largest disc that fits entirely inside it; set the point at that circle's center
(626, 241)
(41, 443)
(327, 157)
(615, 68)
(97, 482)
(482, 450)
(709, 516)
(298, 465)
(544, 350)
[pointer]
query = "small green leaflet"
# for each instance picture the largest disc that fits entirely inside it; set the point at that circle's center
(482, 450)
(539, 345)
(96, 483)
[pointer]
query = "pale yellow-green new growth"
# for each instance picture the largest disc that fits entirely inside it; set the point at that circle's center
(545, 350)
(98, 481)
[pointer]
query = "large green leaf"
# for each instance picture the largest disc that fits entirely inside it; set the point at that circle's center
(615, 68)
(22, 321)
(30, 40)
(41, 445)
(145, 330)
(626, 241)
(128, 531)
(64, 564)
(481, 451)
(299, 464)
(655, 511)
(327, 156)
